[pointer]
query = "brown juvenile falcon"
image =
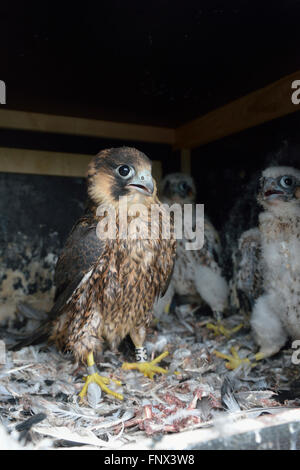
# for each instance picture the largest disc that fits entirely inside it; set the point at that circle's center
(106, 287)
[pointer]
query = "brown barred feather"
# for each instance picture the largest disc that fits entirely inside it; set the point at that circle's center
(107, 288)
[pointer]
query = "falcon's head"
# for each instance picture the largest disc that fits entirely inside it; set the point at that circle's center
(178, 188)
(279, 189)
(118, 172)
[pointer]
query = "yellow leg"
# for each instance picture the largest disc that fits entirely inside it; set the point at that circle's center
(149, 369)
(220, 329)
(234, 360)
(167, 308)
(94, 376)
(155, 321)
(259, 356)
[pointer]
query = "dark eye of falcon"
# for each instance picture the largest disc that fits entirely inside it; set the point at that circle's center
(286, 181)
(125, 171)
(183, 186)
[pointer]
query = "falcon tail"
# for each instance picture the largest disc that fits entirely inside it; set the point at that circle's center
(42, 332)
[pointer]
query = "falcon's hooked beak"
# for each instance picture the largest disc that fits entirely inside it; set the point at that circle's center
(142, 182)
(271, 190)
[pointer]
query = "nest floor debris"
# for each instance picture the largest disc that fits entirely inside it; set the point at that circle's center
(198, 404)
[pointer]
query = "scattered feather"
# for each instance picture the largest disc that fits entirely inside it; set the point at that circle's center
(94, 394)
(82, 436)
(38, 381)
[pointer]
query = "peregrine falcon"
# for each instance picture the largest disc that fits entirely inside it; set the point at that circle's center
(197, 275)
(276, 313)
(269, 269)
(106, 286)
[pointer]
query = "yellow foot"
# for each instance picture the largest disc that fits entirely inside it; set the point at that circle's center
(220, 329)
(235, 360)
(167, 308)
(149, 369)
(102, 382)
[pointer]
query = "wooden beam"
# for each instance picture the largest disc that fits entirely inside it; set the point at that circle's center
(10, 119)
(43, 162)
(265, 104)
(260, 106)
(39, 162)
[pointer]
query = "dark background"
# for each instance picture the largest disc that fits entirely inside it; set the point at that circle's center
(162, 62)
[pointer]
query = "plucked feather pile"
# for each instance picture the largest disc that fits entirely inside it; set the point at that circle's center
(39, 387)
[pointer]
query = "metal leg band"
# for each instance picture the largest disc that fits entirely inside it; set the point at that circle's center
(92, 369)
(141, 354)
